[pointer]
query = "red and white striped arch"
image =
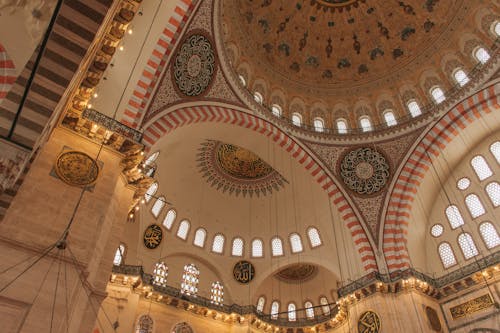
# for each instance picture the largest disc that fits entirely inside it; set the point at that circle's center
(418, 163)
(216, 114)
(152, 70)
(7, 73)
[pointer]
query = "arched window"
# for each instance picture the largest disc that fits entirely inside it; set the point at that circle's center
(474, 205)
(325, 307)
(461, 78)
(482, 55)
(314, 238)
(218, 244)
(319, 125)
(152, 158)
(119, 255)
(414, 108)
(365, 123)
(495, 28)
(260, 304)
(257, 248)
(489, 235)
(495, 150)
(158, 206)
(390, 119)
(292, 314)
(237, 249)
(199, 237)
(258, 97)
(217, 293)
(296, 243)
(276, 110)
(190, 279)
(183, 230)
(438, 95)
(169, 219)
(296, 119)
(151, 191)
(467, 245)
(160, 273)
(277, 246)
(242, 80)
(481, 167)
(144, 324)
(341, 126)
(493, 191)
(454, 217)
(275, 308)
(309, 310)
(446, 254)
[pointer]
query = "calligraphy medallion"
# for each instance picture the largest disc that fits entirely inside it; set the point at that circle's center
(76, 168)
(369, 322)
(153, 236)
(243, 272)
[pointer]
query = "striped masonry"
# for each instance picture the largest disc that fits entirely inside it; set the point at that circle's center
(214, 114)
(7, 73)
(431, 145)
(153, 68)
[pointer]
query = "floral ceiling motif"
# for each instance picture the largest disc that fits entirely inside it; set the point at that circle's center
(364, 170)
(236, 170)
(297, 273)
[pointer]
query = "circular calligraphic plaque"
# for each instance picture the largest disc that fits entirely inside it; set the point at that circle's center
(153, 236)
(369, 322)
(76, 168)
(243, 272)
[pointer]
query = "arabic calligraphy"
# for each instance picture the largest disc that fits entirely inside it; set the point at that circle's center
(369, 322)
(153, 236)
(243, 272)
(474, 305)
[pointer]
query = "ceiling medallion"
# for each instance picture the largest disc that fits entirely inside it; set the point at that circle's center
(152, 236)
(297, 273)
(194, 65)
(76, 168)
(364, 170)
(237, 170)
(243, 271)
(369, 322)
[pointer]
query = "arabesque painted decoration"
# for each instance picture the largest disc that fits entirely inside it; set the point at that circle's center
(76, 168)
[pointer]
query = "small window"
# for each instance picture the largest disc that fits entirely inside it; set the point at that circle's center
(314, 238)
(447, 256)
(276, 110)
(257, 248)
(296, 243)
(414, 109)
(119, 255)
(489, 235)
(341, 126)
(481, 167)
(218, 244)
(437, 230)
(467, 245)
(277, 246)
(237, 249)
(151, 191)
(474, 205)
(495, 150)
(144, 324)
(493, 191)
(463, 183)
(152, 158)
(496, 28)
(158, 206)
(169, 219)
(260, 304)
(296, 119)
(461, 78)
(325, 306)
(258, 97)
(482, 55)
(292, 314)
(454, 217)
(160, 273)
(309, 310)
(190, 279)
(365, 123)
(183, 230)
(438, 95)
(217, 293)
(275, 308)
(199, 237)
(319, 125)
(390, 119)
(242, 80)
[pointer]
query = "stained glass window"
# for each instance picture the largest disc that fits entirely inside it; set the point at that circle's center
(481, 167)
(160, 273)
(296, 243)
(309, 310)
(151, 191)
(467, 245)
(495, 150)
(158, 206)
(493, 191)
(461, 78)
(341, 126)
(314, 237)
(389, 118)
(482, 55)
(169, 219)
(199, 237)
(260, 304)
(257, 248)
(277, 246)
(437, 230)
(276, 110)
(489, 235)
(119, 255)
(414, 109)
(474, 205)
(438, 95)
(217, 293)
(454, 217)
(218, 244)
(183, 230)
(275, 308)
(463, 183)
(446, 254)
(292, 314)
(319, 125)
(296, 119)
(237, 249)
(325, 307)
(365, 123)
(190, 279)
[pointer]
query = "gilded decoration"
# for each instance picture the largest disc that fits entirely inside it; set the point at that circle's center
(297, 273)
(243, 272)
(182, 328)
(369, 322)
(76, 168)
(364, 170)
(236, 170)
(153, 236)
(194, 65)
(472, 306)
